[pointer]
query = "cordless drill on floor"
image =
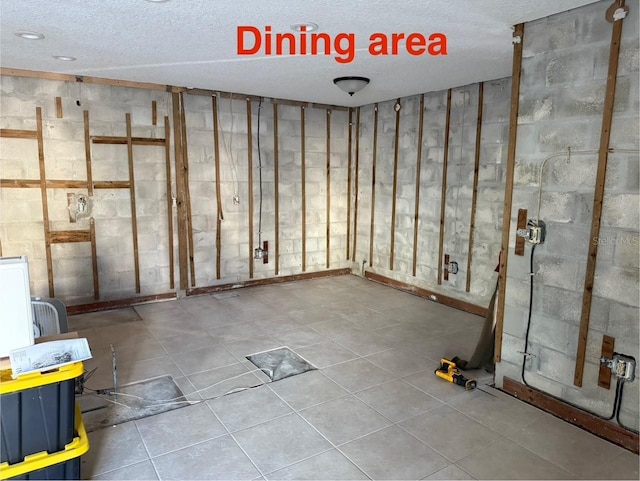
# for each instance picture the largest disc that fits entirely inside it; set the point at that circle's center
(449, 372)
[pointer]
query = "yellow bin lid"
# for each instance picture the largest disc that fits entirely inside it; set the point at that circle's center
(36, 379)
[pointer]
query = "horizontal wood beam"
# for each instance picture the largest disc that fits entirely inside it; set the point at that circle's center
(432, 296)
(328, 107)
(51, 184)
(112, 184)
(271, 280)
(18, 134)
(19, 183)
(605, 429)
(105, 139)
(119, 303)
(67, 236)
(292, 103)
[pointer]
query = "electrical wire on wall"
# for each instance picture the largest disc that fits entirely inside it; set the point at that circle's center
(260, 178)
(228, 147)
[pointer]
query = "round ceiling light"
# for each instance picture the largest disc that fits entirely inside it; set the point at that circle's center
(29, 35)
(351, 85)
(308, 27)
(64, 58)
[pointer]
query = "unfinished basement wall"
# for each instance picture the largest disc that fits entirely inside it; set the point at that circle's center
(562, 92)
(324, 186)
(65, 161)
(394, 219)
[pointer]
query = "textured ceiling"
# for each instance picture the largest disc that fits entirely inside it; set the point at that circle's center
(192, 43)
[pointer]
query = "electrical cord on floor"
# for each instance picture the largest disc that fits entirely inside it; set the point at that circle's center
(619, 384)
(634, 431)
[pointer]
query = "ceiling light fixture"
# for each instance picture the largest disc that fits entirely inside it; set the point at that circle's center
(64, 58)
(29, 35)
(351, 85)
(308, 27)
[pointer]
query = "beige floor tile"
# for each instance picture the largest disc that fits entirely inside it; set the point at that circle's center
(393, 454)
(451, 472)
(357, 375)
(112, 448)
(334, 328)
(428, 382)
(505, 459)
(141, 471)
(450, 432)
(179, 429)
(216, 459)
(365, 343)
(281, 442)
(187, 341)
(344, 419)
(203, 359)
(329, 465)
(326, 354)
(307, 389)
(398, 400)
(625, 466)
(300, 337)
(220, 381)
(400, 362)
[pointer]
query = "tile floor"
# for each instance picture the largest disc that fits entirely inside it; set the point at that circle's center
(373, 409)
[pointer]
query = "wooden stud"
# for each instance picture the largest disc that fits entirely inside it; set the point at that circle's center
(269, 281)
(416, 210)
(219, 213)
(59, 107)
(69, 236)
(598, 426)
(132, 191)
(117, 304)
(45, 204)
(154, 112)
(604, 375)
(431, 295)
(521, 224)
(111, 184)
(443, 199)
(115, 140)
(94, 258)
(355, 203)
(598, 198)
(18, 134)
(291, 103)
(187, 191)
(19, 183)
(328, 234)
(265, 255)
(508, 189)
(446, 267)
(303, 169)
(395, 185)
(474, 195)
(328, 107)
(87, 152)
(34, 183)
(373, 184)
(276, 182)
(250, 182)
(182, 213)
(167, 162)
(349, 152)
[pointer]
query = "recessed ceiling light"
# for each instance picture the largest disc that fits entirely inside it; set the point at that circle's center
(309, 27)
(65, 58)
(30, 35)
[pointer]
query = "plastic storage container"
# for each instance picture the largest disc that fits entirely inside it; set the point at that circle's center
(38, 412)
(64, 464)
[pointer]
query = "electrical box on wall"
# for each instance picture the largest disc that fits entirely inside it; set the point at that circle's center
(535, 231)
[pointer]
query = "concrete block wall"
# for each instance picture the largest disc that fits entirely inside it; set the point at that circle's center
(462, 138)
(21, 219)
(564, 73)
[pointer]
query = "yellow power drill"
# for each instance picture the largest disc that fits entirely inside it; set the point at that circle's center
(449, 372)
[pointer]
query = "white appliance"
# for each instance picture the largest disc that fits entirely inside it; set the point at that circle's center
(16, 319)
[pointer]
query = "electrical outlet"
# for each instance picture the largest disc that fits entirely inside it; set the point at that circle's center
(534, 232)
(624, 367)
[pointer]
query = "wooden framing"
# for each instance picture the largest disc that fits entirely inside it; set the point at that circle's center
(167, 163)
(355, 203)
(59, 107)
(474, 195)
(50, 183)
(18, 133)
(154, 112)
(433, 296)
(607, 351)
(250, 182)
(328, 233)
(349, 181)
(416, 210)
(117, 304)
(604, 429)
(69, 236)
(520, 224)
(303, 171)
(87, 151)
(94, 258)
(373, 183)
(598, 198)
(268, 281)
(111, 184)
(180, 174)
(219, 212)
(443, 199)
(114, 140)
(132, 192)
(187, 191)
(397, 108)
(508, 189)
(276, 183)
